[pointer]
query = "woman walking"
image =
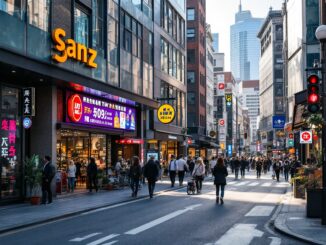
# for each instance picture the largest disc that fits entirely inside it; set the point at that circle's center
(135, 175)
(199, 174)
(71, 171)
(220, 172)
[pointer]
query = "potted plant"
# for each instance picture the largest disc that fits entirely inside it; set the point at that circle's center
(314, 195)
(298, 186)
(33, 178)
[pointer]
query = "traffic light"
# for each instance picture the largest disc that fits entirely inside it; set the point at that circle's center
(313, 97)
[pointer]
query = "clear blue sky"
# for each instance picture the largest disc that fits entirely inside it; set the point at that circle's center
(220, 15)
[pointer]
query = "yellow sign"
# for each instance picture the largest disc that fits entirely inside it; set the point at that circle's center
(166, 114)
(70, 49)
(222, 146)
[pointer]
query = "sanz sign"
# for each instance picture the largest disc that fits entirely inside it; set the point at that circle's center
(279, 122)
(70, 49)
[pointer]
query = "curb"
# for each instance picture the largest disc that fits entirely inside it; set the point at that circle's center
(76, 213)
(279, 224)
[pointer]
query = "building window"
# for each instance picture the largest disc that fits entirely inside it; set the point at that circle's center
(137, 3)
(202, 100)
(81, 26)
(191, 98)
(14, 8)
(38, 13)
(191, 33)
(190, 14)
(191, 77)
(148, 8)
(191, 56)
(98, 24)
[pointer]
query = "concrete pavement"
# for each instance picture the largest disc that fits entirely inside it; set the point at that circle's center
(292, 221)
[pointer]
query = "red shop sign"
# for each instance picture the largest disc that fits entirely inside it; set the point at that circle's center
(130, 141)
(75, 108)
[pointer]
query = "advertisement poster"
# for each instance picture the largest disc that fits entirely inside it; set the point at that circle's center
(86, 110)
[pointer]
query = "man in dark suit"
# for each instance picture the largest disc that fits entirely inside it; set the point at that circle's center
(47, 176)
(151, 172)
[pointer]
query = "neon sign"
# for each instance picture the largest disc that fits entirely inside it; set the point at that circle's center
(8, 138)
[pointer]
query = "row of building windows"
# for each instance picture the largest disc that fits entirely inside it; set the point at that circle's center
(172, 61)
(172, 22)
(144, 5)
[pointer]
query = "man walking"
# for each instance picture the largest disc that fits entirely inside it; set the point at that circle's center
(173, 167)
(47, 176)
(237, 164)
(182, 167)
(151, 172)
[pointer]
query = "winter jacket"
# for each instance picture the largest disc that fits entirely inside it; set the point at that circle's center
(151, 171)
(220, 174)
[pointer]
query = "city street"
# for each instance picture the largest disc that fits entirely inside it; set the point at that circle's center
(173, 218)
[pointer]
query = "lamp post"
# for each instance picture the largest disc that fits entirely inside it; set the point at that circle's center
(321, 36)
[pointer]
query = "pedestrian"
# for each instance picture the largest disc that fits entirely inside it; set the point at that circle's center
(173, 169)
(220, 173)
(243, 166)
(212, 163)
(199, 174)
(135, 173)
(236, 164)
(206, 163)
(265, 165)
(71, 176)
(118, 167)
(182, 167)
(259, 165)
(47, 176)
(277, 169)
(151, 172)
(286, 169)
(92, 175)
(191, 163)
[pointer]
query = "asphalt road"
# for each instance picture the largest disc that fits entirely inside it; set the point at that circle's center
(173, 218)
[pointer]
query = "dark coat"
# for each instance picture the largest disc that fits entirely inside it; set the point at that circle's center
(48, 172)
(220, 174)
(151, 171)
(236, 164)
(244, 164)
(135, 172)
(92, 170)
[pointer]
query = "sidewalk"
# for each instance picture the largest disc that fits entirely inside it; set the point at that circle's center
(292, 221)
(23, 215)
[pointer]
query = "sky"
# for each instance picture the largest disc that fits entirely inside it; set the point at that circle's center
(220, 14)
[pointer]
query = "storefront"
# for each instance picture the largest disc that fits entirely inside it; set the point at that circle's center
(11, 143)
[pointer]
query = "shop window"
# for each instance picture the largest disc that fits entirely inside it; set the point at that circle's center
(10, 161)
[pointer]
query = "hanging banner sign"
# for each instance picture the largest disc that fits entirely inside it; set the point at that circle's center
(29, 102)
(83, 109)
(166, 113)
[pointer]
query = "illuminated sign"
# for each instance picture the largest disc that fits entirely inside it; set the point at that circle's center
(29, 101)
(70, 49)
(130, 141)
(8, 139)
(83, 109)
(306, 137)
(166, 113)
(228, 100)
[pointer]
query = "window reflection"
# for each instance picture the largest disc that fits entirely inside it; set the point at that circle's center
(81, 27)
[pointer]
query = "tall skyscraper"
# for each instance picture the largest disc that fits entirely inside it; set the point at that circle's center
(215, 42)
(244, 45)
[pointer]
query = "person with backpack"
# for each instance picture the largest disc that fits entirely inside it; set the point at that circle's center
(173, 168)
(47, 176)
(220, 173)
(135, 173)
(277, 169)
(92, 175)
(151, 172)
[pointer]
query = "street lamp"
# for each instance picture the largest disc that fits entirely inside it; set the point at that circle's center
(321, 36)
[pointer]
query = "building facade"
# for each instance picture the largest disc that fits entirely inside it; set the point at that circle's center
(216, 42)
(83, 72)
(271, 83)
(243, 46)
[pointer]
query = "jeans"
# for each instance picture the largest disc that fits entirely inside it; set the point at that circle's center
(236, 173)
(71, 183)
(151, 187)
(134, 183)
(218, 190)
(242, 172)
(181, 175)
(92, 181)
(172, 177)
(258, 173)
(286, 175)
(277, 172)
(199, 183)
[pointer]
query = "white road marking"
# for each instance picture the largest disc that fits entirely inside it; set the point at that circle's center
(79, 239)
(232, 182)
(267, 184)
(103, 239)
(110, 243)
(161, 220)
(260, 211)
(275, 241)
(242, 183)
(254, 184)
(240, 234)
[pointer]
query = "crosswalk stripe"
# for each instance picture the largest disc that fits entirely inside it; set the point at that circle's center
(267, 184)
(103, 239)
(110, 243)
(254, 184)
(242, 183)
(79, 239)
(260, 211)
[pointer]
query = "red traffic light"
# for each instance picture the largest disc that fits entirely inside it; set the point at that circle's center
(313, 79)
(313, 98)
(291, 136)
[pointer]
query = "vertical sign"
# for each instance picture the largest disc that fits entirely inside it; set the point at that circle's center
(29, 102)
(8, 139)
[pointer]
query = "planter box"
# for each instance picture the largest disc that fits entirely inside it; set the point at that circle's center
(298, 191)
(314, 199)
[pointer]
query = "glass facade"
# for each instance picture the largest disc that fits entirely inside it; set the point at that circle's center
(11, 142)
